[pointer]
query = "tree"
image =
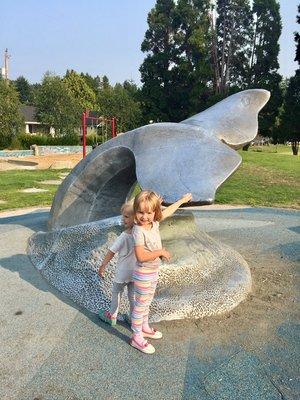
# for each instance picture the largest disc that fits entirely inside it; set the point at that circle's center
(176, 71)
(24, 90)
(132, 89)
(11, 120)
(297, 40)
(289, 127)
(57, 107)
(192, 71)
(263, 71)
(116, 102)
(80, 90)
(233, 36)
(34, 89)
(94, 83)
(104, 82)
(156, 75)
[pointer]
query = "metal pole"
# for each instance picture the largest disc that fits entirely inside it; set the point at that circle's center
(84, 134)
(113, 127)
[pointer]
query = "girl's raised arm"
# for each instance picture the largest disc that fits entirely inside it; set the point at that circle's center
(168, 211)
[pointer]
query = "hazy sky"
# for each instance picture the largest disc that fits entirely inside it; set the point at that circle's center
(95, 36)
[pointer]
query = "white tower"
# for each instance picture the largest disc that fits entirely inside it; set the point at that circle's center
(4, 70)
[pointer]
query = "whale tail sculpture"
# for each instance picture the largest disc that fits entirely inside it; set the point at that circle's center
(205, 277)
(170, 158)
(234, 119)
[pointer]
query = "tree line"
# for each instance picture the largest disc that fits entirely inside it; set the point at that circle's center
(196, 54)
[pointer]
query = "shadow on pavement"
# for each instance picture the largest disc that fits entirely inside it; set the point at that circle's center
(35, 220)
(21, 264)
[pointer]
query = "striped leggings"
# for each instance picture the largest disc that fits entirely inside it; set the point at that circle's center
(144, 289)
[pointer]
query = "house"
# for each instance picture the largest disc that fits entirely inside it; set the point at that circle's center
(32, 125)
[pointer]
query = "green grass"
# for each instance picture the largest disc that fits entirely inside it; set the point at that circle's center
(265, 178)
(268, 176)
(11, 182)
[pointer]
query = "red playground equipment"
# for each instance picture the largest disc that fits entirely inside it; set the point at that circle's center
(89, 119)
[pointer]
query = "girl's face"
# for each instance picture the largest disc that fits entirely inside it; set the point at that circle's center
(144, 215)
(128, 219)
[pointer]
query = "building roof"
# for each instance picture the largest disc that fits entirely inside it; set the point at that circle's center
(29, 113)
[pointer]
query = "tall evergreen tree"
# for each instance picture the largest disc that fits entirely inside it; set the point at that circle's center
(192, 70)
(176, 71)
(24, 90)
(234, 32)
(297, 39)
(289, 127)
(264, 65)
(156, 74)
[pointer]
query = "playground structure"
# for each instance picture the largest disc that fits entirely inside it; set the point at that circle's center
(89, 119)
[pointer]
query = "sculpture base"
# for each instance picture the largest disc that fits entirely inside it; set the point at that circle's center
(204, 277)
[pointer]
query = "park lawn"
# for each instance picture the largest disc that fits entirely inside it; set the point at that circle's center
(11, 182)
(268, 176)
(265, 178)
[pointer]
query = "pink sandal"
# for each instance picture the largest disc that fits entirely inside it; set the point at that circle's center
(153, 335)
(146, 347)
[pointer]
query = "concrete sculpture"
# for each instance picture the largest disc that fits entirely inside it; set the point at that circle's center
(204, 277)
(197, 155)
(169, 158)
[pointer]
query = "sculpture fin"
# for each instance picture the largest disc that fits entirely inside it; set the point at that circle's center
(233, 120)
(166, 164)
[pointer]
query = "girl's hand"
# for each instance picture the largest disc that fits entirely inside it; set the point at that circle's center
(101, 271)
(186, 198)
(165, 254)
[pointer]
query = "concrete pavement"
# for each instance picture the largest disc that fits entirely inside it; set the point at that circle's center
(52, 349)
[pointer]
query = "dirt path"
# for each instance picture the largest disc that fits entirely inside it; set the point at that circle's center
(38, 162)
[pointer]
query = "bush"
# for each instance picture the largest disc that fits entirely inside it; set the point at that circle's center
(15, 144)
(25, 140)
(93, 139)
(28, 140)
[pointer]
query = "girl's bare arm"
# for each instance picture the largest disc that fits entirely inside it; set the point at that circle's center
(106, 260)
(144, 255)
(168, 211)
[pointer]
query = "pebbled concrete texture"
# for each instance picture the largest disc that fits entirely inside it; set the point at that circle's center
(204, 277)
(53, 349)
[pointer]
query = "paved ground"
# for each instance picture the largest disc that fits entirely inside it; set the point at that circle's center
(51, 349)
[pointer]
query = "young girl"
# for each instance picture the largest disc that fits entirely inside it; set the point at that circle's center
(148, 250)
(125, 266)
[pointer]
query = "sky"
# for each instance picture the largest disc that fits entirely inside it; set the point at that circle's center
(100, 37)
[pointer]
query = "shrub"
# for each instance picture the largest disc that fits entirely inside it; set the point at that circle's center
(28, 140)
(15, 144)
(93, 139)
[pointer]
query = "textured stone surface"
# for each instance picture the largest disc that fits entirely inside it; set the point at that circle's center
(203, 278)
(170, 158)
